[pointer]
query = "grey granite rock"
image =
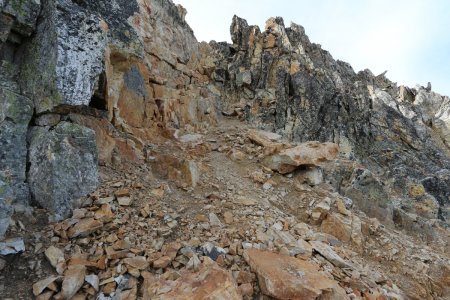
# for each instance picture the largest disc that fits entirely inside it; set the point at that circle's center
(63, 166)
(12, 246)
(64, 60)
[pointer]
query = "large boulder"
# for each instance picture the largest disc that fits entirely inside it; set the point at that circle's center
(285, 277)
(63, 166)
(210, 282)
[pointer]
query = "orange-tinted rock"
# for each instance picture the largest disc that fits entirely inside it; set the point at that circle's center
(284, 277)
(127, 150)
(338, 226)
(246, 289)
(104, 214)
(73, 280)
(310, 153)
(122, 193)
(103, 135)
(171, 249)
(138, 262)
(131, 103)
(181, 170)
(162, 262)
(209, 283)
(84, 228)
(268, 140)
(345, 228)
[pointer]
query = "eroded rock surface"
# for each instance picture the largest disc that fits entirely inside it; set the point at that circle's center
(122, 91)
(297, 89)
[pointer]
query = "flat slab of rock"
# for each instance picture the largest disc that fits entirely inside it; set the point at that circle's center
(285, 277)
(84, 228)
(310, 153)
(138, 262)
(210, 282)
(329, 254)
(260, 137)
(269, 140)
(12, 246)
(54, 255)
(339, 226)
(41, 285)
(194, 139)
(73, 281)
(124, 201)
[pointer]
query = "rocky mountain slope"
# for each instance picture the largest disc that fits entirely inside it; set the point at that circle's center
(144, 149)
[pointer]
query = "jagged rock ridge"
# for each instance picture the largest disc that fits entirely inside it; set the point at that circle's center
(91, 83)
(285, 83)
(120, 71)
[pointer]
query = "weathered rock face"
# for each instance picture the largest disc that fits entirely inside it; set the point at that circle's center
(15, 115)
(5, 207)
(17, 22)
(284, 83)
(17, 18)
(125, 69)
(64, 60)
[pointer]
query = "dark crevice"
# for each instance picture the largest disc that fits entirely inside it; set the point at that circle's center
(98, 103)
(98, 100)
(28, 160)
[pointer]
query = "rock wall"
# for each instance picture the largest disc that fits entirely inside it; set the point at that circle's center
(282, 82)
(17, 23)
(89, 82)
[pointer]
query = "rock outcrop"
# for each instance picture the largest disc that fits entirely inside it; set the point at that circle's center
(278, 79)
(287, 205)
(126, 70)
(67, 157)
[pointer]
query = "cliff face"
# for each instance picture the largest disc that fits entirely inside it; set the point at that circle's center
(281, 81)
(87, 82)
(122, 90)
(96, 82)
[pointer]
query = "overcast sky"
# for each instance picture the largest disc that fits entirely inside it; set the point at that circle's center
(408, 38)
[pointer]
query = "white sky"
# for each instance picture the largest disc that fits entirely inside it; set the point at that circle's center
(409, 38)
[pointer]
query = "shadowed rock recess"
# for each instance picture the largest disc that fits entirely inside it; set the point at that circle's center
(173, 169)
